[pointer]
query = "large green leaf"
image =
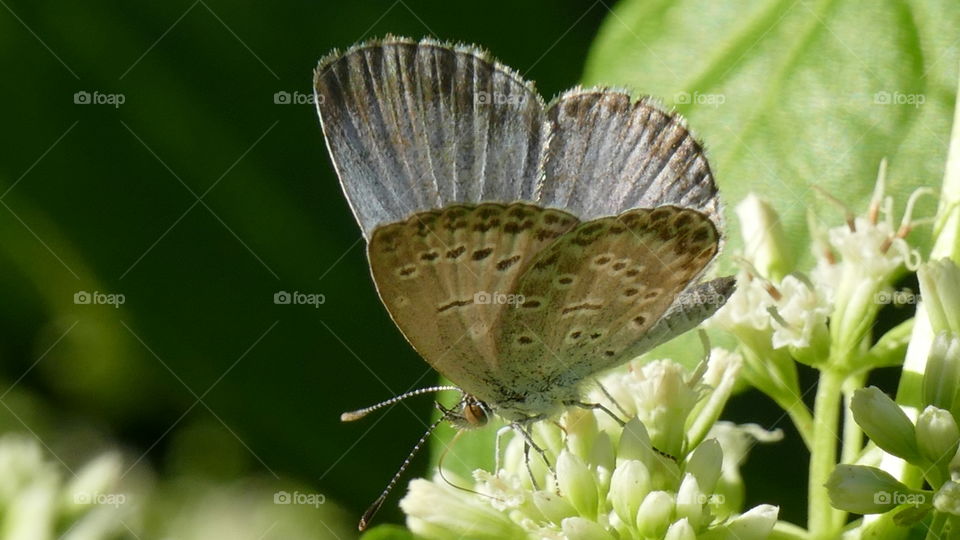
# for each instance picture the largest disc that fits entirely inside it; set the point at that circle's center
(792, 94)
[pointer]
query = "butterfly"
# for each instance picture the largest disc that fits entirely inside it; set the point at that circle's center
(520, 247)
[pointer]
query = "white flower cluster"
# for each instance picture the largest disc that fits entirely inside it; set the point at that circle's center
(607, 480)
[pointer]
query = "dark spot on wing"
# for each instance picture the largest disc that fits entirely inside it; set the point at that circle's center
(507, 263)
(481, 254)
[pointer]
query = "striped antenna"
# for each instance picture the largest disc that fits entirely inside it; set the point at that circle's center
(368, 515)
(360, 413)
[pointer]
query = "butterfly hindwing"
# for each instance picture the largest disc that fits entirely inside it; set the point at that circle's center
(447, 277)
(596, 292)
(609, 153)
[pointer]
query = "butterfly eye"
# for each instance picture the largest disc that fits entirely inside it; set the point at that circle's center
(475, 414)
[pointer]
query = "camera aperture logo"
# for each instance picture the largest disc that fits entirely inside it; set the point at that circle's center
(97, 298)
(298, 298)
(309, 499)
(101, 499)
(83, 97)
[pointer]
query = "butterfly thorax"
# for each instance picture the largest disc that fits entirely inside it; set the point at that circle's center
(535, 405)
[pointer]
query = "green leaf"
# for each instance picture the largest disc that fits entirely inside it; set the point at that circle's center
(891, 348)
(788, 95)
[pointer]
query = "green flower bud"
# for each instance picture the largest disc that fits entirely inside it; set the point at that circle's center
(755, 524)
(553, 507)
(940, 289)
(691, 501)
(680, 530)
(655, 514)
(581, 426)
(763, 238)
(578, 528)
(629, 485)
(635, 444)
(866, 490)
(706, 464)
(937, 435)
(885, 423)
(947, 498)
(603, 459)
(941, 377)
(577, 484)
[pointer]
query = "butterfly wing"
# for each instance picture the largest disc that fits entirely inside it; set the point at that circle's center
(414, 126)
(598, 296)
(608, 154)
(445, 276)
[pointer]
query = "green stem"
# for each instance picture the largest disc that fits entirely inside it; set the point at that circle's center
(852, 434)
(823, 520)
(800, 415)
(787, 531)
(936, 527)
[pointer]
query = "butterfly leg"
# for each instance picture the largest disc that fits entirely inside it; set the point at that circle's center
(497, 446)
(595, 406)
(526, 461)
(528, 443)
(609, 396)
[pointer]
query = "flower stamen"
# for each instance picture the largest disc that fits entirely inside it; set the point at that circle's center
(848, 214)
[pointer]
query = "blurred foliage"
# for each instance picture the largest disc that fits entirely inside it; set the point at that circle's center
(198, 370)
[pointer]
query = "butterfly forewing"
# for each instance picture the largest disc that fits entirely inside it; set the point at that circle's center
(594, 294)
(447, 277)
(415, 126)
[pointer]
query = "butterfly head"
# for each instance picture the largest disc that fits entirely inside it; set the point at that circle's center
(471, 413)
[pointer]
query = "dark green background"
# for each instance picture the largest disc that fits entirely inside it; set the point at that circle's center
(98, 198)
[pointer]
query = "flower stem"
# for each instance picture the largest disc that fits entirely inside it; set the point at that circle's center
(852, 434)
(801, 418)
(936, 527)
(823, 520)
